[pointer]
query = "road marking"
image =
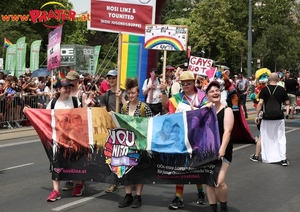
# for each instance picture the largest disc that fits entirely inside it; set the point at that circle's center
(15, 167)
(290, 131)
(242, 147)
(77, 202)
(246, 145)
(18, 143)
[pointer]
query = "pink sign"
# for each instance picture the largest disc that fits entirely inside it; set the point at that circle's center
(126, 16)
(53, 49)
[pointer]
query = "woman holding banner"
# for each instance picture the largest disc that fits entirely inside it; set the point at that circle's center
(225, 122)
(133, 108)
(64, 101)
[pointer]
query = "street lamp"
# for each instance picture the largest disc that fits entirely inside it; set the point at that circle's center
(249, 60)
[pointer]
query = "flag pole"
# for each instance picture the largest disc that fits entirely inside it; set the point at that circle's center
(164, 66)
(119, 71)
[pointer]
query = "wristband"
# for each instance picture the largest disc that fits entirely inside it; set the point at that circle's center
(163, 92)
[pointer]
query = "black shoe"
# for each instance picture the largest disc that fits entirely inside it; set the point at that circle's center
(201, 198)
(285, 163)
(68, 186)
(287, 117)
(213, 210)
(127, 201)
(137, 202)
(254, 158)
(176, 203)
(224, 209)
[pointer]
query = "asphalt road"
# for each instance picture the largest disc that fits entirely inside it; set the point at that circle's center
(25, 181)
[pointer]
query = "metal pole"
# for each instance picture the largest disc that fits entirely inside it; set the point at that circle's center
(249, 60)
(119, 70)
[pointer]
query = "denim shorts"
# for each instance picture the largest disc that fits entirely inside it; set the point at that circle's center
(225, 160)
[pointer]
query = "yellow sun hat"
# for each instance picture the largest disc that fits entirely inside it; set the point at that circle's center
(187, 75)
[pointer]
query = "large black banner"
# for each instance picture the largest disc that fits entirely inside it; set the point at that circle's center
(88, 144)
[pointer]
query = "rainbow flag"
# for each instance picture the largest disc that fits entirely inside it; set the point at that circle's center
(7, 43)
(61, 75)
(136, 61)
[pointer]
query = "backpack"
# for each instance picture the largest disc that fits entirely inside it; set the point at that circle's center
(74, 99)
(106, 99)
(143, 111)
(272, 108)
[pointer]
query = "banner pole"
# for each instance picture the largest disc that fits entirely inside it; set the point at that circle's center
(119, 70)
(52, 82)
(164, 66)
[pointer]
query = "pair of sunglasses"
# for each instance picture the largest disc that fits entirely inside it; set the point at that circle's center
(186, 83)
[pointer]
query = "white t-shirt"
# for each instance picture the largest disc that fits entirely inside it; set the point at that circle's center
(47, 89)
(66, 104)
(156, 92)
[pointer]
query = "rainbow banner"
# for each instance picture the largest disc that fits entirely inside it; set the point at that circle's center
(135, 61)
(7, 43)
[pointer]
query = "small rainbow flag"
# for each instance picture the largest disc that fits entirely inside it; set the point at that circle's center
(54, 82)
(61, 75)
(7, 43)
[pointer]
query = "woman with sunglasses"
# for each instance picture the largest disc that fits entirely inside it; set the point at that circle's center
(189, 98)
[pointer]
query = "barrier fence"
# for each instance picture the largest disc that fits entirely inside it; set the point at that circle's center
(11, 109)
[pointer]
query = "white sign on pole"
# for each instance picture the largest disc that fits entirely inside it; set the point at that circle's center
(166, 37)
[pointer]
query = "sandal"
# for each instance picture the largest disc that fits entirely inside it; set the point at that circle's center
(291, 117)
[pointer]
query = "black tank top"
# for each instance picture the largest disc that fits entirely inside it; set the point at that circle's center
(228, 152)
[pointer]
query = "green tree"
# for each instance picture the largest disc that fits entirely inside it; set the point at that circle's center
(278, 48)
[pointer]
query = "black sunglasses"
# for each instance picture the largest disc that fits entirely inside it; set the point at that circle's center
(186, 83)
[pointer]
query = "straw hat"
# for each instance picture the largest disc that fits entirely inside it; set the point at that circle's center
(187, 75)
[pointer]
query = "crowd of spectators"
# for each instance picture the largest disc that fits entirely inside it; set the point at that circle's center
(36, 92)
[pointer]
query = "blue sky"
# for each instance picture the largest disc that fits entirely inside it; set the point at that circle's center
(80, 5)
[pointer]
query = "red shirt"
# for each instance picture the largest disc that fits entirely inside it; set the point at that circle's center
(104, 87)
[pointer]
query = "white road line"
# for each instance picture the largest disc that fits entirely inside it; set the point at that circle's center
(86, 199)
(242, 147)
(290, 131)
(246, 145)
(18, 143)
(15, 167)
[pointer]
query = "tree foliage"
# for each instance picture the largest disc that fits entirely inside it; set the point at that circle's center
(219, 27)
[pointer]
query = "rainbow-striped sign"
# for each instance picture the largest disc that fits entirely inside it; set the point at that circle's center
(166, 37)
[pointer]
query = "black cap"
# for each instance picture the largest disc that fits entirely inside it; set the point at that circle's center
(63, 82)
(212, 83)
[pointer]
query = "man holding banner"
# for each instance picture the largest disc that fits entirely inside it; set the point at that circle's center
(189, 99)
